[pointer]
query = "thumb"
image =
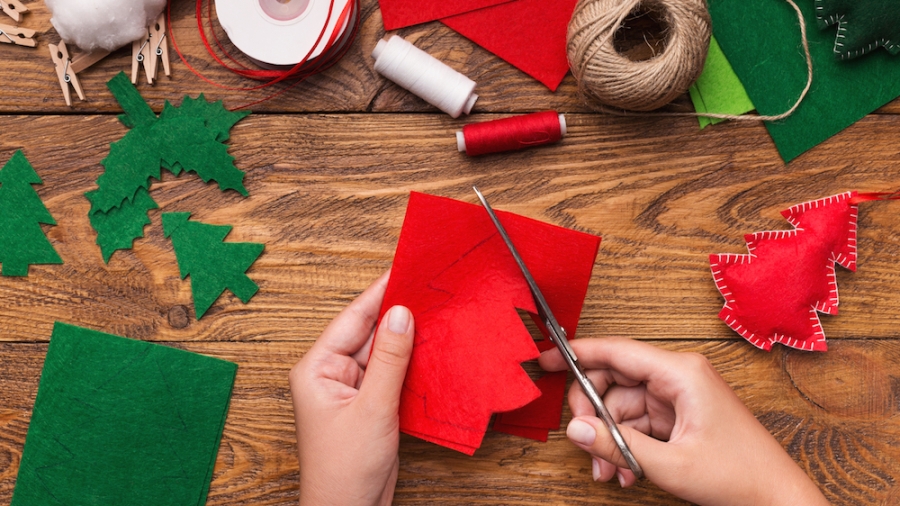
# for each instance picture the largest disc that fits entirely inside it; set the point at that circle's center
(390, 357)
(591, 435)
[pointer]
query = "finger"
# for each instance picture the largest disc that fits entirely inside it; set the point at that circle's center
(635, 360)
(590, 434)
(350, 329)
(386, 370)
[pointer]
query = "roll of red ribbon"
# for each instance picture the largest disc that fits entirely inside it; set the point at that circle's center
(509, 134)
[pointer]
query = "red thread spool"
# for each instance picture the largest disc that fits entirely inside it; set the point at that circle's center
(510, 134)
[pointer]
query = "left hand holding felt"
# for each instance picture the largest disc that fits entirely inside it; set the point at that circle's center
(346, 404)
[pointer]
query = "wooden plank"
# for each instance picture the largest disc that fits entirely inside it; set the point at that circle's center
(328, 195)
(812, 403)
(30, 85)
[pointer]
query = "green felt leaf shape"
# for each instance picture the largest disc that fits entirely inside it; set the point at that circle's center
(212, 264)
(22, 241)
(215, 116)
(862, 25)
(118, 228)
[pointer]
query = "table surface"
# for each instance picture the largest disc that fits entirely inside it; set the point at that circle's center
(330, 164)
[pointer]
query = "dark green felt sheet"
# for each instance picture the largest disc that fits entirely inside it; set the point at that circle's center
(761, 40)
(122, 422)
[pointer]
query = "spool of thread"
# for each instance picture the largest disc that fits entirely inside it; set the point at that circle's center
(511, 134)
(612, 78)
(425, 76)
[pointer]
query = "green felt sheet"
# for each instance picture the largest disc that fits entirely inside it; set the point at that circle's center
(761, 39)
(212, 264)
(862, 25)
(119, 227)
(22, 241)
(122, 422)
(718, 89)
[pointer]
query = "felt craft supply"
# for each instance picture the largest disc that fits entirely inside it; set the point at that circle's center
(454, 272)
(402, 13)
(536, 419)
(212, 264)
(22, 241)
(758, 40)
(862, 25)
(529, 34)
(425, 76)
(121, 421)
(718, 89)
(189, 137)
(612, 78)
(103, 24)
(774, 293)
(510, 134)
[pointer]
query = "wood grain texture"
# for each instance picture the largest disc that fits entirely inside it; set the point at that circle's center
(854, 454)
(329, 167)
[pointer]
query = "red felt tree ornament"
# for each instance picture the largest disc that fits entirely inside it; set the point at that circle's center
(775, 292)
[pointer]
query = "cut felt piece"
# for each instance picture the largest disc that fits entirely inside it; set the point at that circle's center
(529, 34)
(762, 42)
(862, 25)
(121, 421)
(402, 13)
(212, 264)
(718, 89)
(536, 419)
(22, 241)
(119, 227)
(774, 293)
(454, 272)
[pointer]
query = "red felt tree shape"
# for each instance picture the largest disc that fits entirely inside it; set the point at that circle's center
(774, 293)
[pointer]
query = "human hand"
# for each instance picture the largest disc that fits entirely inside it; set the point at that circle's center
(346, 404)
(689, 431)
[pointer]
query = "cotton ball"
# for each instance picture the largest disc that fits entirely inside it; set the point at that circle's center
(106, 24)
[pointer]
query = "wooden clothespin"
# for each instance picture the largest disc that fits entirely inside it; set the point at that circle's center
(13, 9)
(150, 50)
(18, 36)
(64, 72)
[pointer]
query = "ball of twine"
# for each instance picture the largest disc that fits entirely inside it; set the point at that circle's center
(612, 78)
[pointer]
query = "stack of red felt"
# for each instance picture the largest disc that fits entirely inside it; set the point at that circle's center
(454, 272)
(529, 34)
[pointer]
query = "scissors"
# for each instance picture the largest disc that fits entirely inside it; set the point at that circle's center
(558, 336)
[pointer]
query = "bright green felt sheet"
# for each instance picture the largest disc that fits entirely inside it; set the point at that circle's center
(718, 89)
(122, 422)
(761, 39)
(22, 241)
(212, 264)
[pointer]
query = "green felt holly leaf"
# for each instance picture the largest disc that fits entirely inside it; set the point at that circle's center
(22, 241)
(118, 228)
(215, 116)
(862, 25)
(212, 264)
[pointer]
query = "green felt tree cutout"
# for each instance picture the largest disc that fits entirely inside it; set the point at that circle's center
(213, 264)
(189, 137)
(862, 25)
(22, 241)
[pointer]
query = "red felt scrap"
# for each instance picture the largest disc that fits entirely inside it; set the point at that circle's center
(455, 274)
(402, 13)
(529, 34)
(537, 418)
(774, 293)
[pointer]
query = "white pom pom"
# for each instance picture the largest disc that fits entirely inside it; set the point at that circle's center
(106, 24)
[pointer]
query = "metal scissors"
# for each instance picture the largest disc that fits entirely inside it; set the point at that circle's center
(558, 336)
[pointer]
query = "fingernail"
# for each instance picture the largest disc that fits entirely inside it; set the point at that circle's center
(398, 320)
(595, 468)
(581, 433)
(621, 478)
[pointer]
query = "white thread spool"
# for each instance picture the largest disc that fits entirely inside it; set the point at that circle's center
(425, 76)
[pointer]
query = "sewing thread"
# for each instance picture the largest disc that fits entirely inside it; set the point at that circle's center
(510, 134)
(425, 76)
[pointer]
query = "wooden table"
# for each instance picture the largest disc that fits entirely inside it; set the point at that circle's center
(329, 167)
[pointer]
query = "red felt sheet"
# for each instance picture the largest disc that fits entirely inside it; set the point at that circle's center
(774, 293)
(401, 13)
(529, 34)
(455, 274)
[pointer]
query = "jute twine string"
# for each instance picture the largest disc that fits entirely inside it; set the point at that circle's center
(610, 78)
